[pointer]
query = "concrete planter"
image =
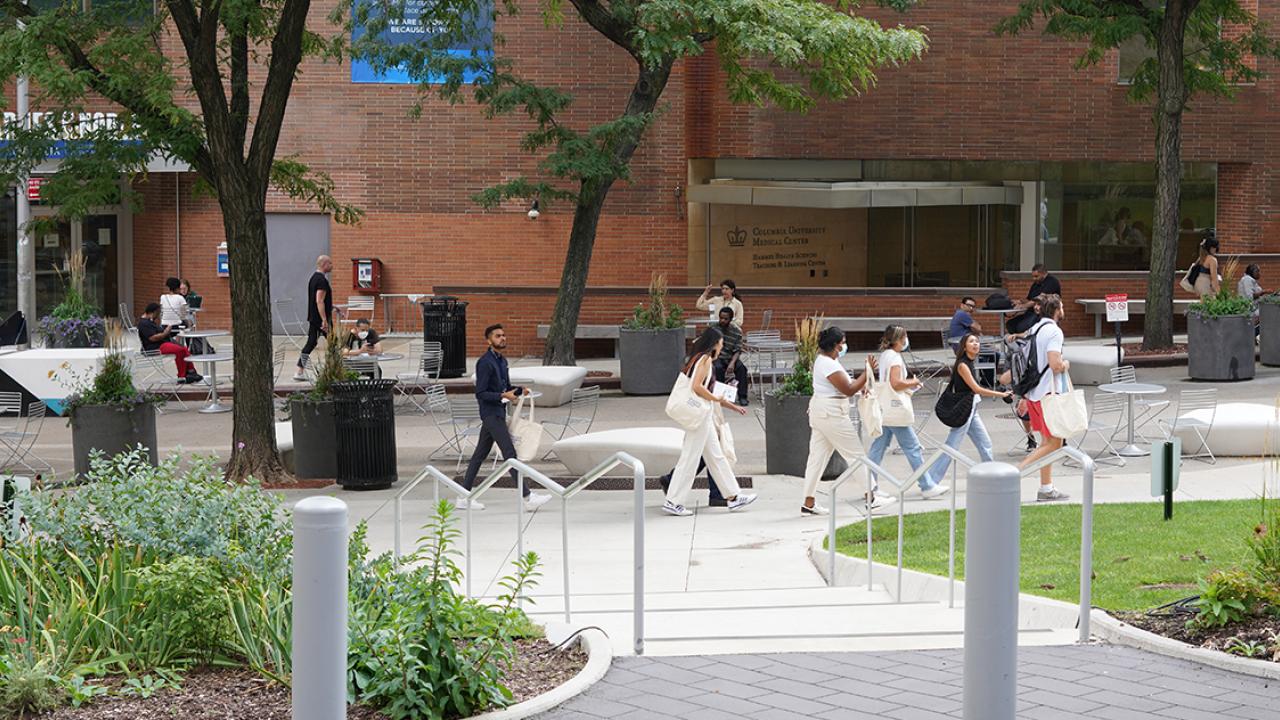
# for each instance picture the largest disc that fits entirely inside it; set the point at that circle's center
(113, 430)
(315, 439)
(786, 437)
(650, 360)
(1220, 347)
(1269, 342)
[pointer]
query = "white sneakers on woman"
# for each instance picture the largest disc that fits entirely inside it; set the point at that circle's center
(740, 501)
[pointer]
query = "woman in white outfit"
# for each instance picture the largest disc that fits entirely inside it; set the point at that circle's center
(830, 428)
(173, 307)
(965, 383)
(893, 372)
(704, 441)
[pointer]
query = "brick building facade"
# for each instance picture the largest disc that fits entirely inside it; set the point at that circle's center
(977, 112)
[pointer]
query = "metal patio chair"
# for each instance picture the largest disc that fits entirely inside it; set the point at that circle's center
(1106, 415)
(582, 415)
(294, 327)
(1145, 409)
(19, 443)
(1191, 401)
(154, 372)
(427, 363)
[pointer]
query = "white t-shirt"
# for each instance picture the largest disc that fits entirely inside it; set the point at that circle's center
(173, 309)
(888, 359)
(1048, 338)
(823, 366)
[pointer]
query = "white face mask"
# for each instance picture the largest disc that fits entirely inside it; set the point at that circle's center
(362, 334)
(906, 344)
(843, 348)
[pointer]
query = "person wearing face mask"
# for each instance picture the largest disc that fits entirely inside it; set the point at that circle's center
(364, 341)
(893, 371)
(830, 429)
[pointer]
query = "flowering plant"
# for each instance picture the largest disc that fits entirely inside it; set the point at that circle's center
(74, 322)
(111, 385)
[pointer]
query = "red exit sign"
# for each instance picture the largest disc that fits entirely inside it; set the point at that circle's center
(33, 188)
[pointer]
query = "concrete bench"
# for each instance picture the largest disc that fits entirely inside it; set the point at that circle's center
(932, 325)
(1097, 307)
(657, 447)
(284, 444)
(1239, 429)
(1090, 364)
(556, 383)
(604, 332)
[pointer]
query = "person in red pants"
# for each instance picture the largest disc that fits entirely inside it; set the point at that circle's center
(157, 337)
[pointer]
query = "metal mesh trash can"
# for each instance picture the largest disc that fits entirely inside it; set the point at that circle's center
(365, 416)
(444, 320)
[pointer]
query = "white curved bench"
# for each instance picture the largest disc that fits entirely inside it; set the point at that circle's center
(555, 382)
(284, 444)
(1239, 429)
(1090, 364)
(657, 447)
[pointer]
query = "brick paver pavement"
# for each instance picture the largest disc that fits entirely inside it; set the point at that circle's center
(1055, 683)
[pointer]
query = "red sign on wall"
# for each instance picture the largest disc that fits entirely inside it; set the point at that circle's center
(33, 188)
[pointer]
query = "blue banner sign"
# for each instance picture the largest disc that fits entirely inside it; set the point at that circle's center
(414, 28)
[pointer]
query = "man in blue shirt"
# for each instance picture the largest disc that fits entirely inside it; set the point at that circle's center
(962, 322)
(493, 385)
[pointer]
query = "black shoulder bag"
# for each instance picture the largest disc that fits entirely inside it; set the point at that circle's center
(954, 408)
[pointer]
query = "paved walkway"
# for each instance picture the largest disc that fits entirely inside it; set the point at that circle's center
(1054, 683)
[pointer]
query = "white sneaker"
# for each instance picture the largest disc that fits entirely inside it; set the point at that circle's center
(465, 504)
(815, 510)
(671, 508)
(535, 501)
(878, 501)
(300, 377)
(741, 501)
(935, 491)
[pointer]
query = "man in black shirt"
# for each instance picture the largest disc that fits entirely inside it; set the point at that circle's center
(1042, 283)
(155, 337)
(319, 312)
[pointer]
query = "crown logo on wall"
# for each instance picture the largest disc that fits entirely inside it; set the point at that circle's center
(737, 237)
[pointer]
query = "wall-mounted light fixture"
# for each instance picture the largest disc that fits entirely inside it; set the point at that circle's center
(679, 193)
(533, 210)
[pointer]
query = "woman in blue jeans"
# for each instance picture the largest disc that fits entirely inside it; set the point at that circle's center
(965, 382)
(893, 370)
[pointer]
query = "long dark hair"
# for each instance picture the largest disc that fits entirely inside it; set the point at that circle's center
(705, 343)
(732, 286)
(960, 353)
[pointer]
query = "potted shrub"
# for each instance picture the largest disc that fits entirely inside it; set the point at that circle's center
(1220, 339)
(651, 344)
(1269, 340)
(74, 322)
(106, 412)
(311, 413)
(786, 411)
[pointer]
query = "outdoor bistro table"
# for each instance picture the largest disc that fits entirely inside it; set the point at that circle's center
(1131, 389)
(1003, 312)
(211, 362)
(380, 357)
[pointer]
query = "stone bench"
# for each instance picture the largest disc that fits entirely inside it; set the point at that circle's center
(1097, 307)
(284, 444)
(1239, 430)
(1090, 364)
(556, 382)
(932, 325)
(604, 332)
(657, 447)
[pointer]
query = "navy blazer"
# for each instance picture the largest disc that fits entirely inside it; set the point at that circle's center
(492, 379)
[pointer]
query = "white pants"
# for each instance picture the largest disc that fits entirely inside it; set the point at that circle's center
(831, 430)
(704, 442)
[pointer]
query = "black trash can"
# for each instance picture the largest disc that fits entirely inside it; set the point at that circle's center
(364, 412)
(444, 320)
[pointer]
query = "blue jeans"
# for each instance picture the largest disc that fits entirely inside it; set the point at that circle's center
(976, 431)
(910, 445)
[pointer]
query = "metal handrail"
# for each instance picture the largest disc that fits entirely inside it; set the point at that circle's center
(1086, 525)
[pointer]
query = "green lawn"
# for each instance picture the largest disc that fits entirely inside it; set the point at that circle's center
(1136, 557)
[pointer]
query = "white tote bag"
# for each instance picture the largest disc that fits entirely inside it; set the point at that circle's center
(687, 409)
(1065, 414)
(895, 405)
(869, 406)
(526, 434)
(726, 440)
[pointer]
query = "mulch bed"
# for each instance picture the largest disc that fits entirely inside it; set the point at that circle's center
(1259, 629)
(245, 695)
(599, 373)
(310, 484)
(1135, 350)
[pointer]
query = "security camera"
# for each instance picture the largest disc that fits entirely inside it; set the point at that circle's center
(533, 210)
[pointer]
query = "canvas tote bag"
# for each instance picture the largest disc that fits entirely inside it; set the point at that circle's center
(687, 409)
(895, 406)
(1066, 414)
(526, 433)
(869, 406)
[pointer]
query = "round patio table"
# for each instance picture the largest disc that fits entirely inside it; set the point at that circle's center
(1131, 389)
(211, 362)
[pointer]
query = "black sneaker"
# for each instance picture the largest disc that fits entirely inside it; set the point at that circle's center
(193, 378)
(1031, 444)
(745, 402)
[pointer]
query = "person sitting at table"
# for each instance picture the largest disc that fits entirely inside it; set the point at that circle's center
(194, 299)
(155, 337)
(364, 341)
(730, 360)
(962, 323)
(173, 306)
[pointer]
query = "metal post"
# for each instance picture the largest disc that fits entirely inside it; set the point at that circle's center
(26, 245)
(870, 492)
(991, 592)
(320, 609)
(831, 537)
(399, 518)
(469, 497)
(520, 526)
(951, 536)
(564, 544)
(637, 607)
(1086, 546)
(902, 507)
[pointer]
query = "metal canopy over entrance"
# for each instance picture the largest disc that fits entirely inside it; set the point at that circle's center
(853, 194)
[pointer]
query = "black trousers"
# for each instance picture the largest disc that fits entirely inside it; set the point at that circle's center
(493, 429)
(740, 373)
(313, 338)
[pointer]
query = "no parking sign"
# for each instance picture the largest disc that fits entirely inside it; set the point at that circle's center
(1118, 307)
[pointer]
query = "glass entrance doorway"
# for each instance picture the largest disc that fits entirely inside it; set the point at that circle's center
(98, 237)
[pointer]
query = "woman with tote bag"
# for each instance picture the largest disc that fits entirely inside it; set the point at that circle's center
(694, 406)
(959, 403)
(830, 429)
(895, 388)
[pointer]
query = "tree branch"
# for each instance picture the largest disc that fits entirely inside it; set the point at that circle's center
(286, 54)
(201, 45)
(239, 83)
(607, 24)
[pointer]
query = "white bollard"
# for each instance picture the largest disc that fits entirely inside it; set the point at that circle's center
(991, 558)
(320, 609)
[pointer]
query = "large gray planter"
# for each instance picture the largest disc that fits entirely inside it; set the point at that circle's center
(315, 439)
(113, 430)
(786, 437)
(1269, 342)
(1220, 347)
(650, 360)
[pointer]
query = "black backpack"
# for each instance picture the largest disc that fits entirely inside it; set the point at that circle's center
(1024, 365)
(998, 301)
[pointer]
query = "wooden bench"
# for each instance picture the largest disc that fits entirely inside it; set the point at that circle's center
(1097, 307)
(603, 332)
(878, 324)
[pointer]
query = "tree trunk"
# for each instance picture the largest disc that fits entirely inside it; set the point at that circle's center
(586, 218)
(253, 449)
(1171, 96)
